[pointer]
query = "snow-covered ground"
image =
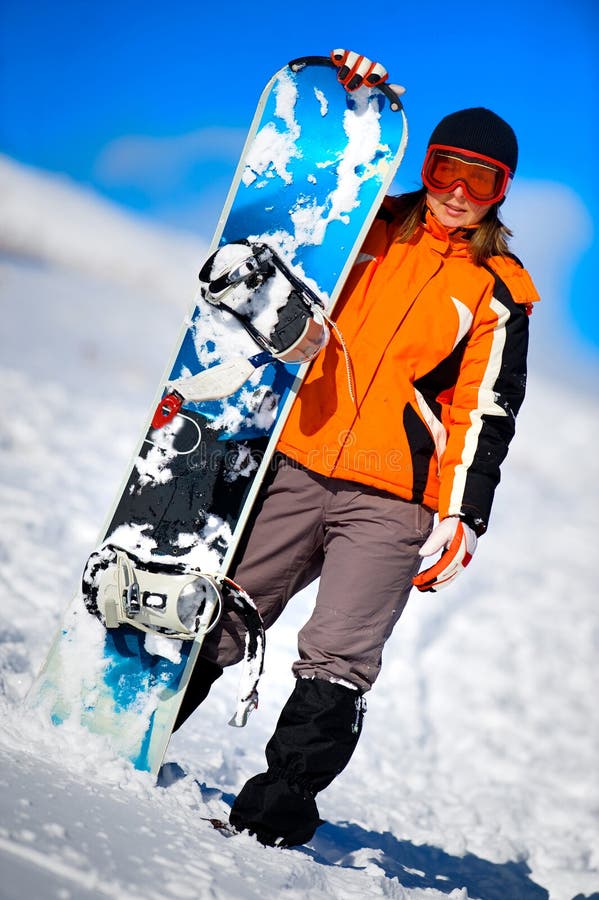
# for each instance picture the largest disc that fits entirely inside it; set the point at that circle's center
(477, 773)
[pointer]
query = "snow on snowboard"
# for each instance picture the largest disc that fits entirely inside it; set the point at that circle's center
(315, 168)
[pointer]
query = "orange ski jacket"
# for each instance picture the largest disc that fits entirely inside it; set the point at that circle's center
(438, 351)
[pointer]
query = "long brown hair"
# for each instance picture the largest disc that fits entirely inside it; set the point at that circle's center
(489, 239)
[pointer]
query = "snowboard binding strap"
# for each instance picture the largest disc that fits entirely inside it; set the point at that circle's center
(214, 383)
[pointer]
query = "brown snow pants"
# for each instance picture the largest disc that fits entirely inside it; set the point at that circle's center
(361, 542)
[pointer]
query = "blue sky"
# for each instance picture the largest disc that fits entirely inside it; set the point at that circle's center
(148, 102)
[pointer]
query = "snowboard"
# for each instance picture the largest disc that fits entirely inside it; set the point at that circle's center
(316, 165)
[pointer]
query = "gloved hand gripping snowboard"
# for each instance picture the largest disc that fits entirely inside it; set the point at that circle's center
(356, 70)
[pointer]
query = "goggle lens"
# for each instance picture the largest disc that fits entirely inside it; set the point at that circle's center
(483, 180)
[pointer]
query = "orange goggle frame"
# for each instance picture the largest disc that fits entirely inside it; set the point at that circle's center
(484, 180)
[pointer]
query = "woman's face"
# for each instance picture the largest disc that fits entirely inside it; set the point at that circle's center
(455, 210)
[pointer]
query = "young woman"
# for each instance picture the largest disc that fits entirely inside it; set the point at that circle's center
(435, 318)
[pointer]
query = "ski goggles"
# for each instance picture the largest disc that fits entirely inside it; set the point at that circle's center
(483, 180)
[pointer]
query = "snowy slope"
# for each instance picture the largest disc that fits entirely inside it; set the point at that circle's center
(477, 774)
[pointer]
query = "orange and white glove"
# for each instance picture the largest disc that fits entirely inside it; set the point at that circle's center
(355, 70)
(458, 541)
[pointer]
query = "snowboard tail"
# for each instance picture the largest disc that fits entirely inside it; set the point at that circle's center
(313, 173)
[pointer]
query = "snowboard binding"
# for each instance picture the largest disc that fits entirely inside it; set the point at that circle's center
(253, 283)
(174, 601)
(283, 316)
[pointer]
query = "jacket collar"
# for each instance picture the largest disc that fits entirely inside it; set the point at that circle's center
(444, 238)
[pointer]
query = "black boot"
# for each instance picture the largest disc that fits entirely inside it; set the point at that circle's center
(315, 737)
(204, 674)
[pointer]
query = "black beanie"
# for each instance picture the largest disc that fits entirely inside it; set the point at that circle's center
(480, 131)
